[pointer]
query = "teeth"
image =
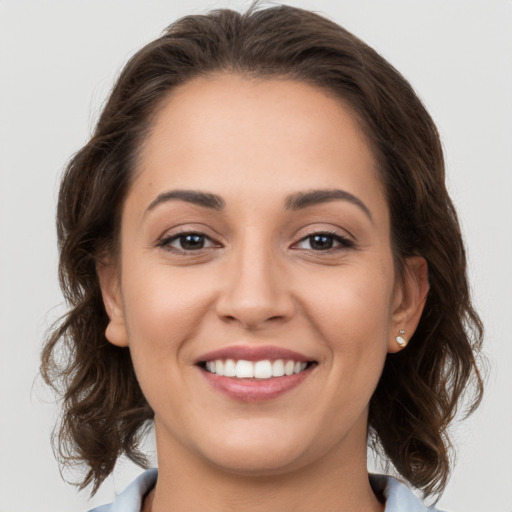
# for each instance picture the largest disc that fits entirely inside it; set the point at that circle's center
(244, 369)
(278, 368)
(288, 368)
(229, 368)
(264, 369)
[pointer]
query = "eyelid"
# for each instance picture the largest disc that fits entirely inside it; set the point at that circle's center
(171, 235)
(344, 242)
(341, 239)
(186, 228)
(177, 236)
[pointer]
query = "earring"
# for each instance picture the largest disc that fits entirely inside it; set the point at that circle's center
(400, 339)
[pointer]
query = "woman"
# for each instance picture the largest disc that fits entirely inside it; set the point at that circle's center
(261, 259)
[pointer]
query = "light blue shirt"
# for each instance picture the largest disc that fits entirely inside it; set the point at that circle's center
(399, 498)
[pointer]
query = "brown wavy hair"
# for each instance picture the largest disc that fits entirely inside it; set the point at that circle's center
(421, 388)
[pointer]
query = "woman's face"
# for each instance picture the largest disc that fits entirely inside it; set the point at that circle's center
(255, 240)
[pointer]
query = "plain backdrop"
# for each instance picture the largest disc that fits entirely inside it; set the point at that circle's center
(58, 60)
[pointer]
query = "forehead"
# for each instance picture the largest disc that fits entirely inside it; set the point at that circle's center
(225, 131)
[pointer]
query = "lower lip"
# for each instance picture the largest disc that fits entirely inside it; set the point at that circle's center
(256, 390)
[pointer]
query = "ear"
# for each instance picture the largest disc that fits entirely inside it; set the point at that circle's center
(409, 300)
(108, 276)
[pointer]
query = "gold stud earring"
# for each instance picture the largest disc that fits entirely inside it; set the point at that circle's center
(400, 339)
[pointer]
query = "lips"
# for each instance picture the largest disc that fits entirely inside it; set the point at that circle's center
(254, 373)
(248, 353)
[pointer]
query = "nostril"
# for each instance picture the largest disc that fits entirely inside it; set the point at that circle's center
(251, 318)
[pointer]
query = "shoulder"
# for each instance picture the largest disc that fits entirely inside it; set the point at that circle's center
(130, 500)
(399, 498)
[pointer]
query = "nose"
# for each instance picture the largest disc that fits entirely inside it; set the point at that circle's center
(256, 292)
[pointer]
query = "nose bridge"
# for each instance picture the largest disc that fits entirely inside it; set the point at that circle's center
(256, 289)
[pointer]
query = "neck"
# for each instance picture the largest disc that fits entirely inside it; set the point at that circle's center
(333, 485)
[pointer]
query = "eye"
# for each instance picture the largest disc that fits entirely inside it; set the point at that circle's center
(186, 242)
(324, 242)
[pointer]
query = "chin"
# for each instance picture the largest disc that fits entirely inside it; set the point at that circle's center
(263, 449)
(256, 461)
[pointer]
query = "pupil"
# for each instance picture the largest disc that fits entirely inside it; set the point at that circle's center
(321, 242)
(192, 242)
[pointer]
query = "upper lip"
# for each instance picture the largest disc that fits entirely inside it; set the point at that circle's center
(249, 353)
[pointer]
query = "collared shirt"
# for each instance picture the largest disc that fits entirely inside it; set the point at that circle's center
(399, 498)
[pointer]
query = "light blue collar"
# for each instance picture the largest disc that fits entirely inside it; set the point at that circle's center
(399, 498)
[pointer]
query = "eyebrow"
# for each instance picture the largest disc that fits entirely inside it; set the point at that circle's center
(296, 201)
(204, 199)
(301, 200)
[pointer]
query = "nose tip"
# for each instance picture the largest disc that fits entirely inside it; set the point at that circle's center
(256, 296)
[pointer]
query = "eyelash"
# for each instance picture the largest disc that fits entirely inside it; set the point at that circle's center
(342, 242)
(166, 242)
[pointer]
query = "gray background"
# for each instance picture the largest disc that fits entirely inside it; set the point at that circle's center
(58, 60)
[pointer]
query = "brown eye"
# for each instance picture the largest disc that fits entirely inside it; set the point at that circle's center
(324, 242)
(191, 242)
(321, 242)
(187, 242)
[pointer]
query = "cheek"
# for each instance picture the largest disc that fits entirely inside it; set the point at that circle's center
(163, 311)
(355, 302)
(163, 307)
(352, 312)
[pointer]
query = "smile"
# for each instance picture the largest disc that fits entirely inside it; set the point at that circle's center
(255, 373)
(264, 369)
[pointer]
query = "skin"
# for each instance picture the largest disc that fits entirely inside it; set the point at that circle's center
(258, 280)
